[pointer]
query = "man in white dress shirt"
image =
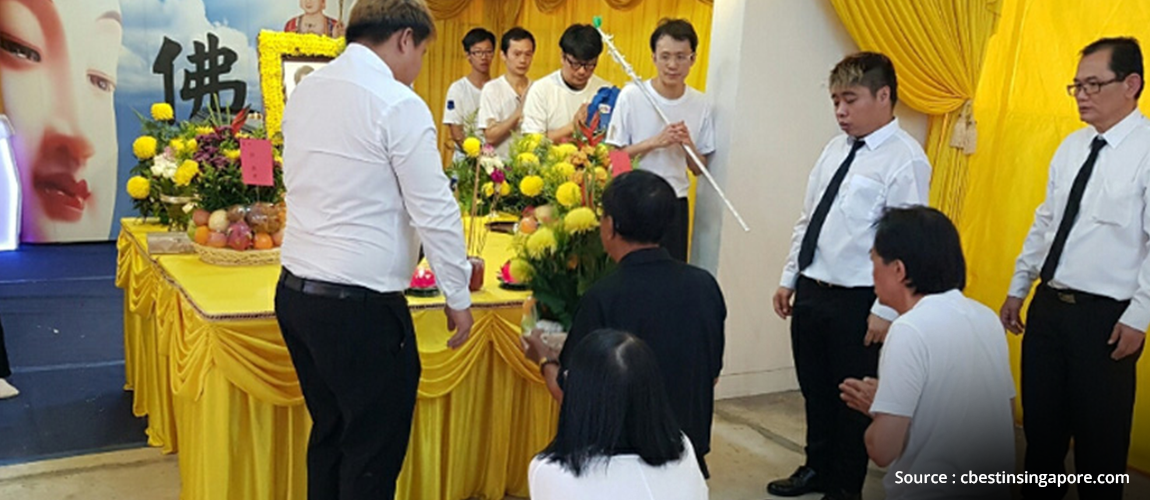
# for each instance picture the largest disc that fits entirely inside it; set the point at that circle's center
(364, 190)
(501, 102)
(1088, 245)
(873, 165)
(462, 104)
(558, 101)
(637, 128)
(944, 390)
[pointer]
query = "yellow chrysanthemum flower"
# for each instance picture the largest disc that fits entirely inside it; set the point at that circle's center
(488, 190)
(602, 152)
(144, 147)
(139, 187)
(568, 194)
(190, 146)
(564, 169)
(562, 151)
(504, 189)
(601, 175)
(580, 220)
(471, 147)
(177, 145)
(162, 111)
(521, 270)
(531, 186)
(542, 243)
(232, 154)
(186, 172)
(204, 130)
(528, 159)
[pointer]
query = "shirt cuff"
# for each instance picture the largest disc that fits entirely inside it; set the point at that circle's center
(459, 300)
(1020, 285)
(1135, 317)
(883, 312)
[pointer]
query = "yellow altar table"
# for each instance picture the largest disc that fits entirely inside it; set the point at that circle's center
(208, 367)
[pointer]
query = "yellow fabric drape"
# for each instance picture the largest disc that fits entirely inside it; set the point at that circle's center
(937, 47)
(206, 361)
(447, 9)
(1024, 115)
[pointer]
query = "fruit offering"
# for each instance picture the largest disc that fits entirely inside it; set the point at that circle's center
(240, 228)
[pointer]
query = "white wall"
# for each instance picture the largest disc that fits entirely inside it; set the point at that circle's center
(769, 61)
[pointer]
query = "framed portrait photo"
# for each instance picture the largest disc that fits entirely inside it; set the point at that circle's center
(285, 60)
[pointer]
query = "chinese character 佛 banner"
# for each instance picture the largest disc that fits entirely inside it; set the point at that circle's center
(75, 73)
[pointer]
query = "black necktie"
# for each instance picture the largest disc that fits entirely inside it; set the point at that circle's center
(1071, 212)
(811, 238)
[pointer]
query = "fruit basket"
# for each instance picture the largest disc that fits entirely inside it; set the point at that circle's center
(240, 235)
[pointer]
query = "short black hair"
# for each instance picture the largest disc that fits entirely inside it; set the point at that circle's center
(678, 29)
(868, 69)
(475, 36)
(928, 245)
(374, 22)
(641, 205)
(614, 402)
(514, 35)
(1125, 57)
(581, 41)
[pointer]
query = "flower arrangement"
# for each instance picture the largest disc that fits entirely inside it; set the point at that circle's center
(558, 251)
(487, 189)
(187, 169)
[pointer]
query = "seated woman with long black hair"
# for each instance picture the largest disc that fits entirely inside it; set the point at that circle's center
(617, 437)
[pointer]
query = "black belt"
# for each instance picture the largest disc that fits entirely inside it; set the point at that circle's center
(1070, 296)
(331, 290)
(832, 286)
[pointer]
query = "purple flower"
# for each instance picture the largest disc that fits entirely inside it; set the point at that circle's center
(497, 176)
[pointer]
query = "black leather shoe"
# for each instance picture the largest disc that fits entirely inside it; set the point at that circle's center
(803, 481)
(842, 495)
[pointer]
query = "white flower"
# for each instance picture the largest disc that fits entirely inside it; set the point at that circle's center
(163, 166)
(490, 163)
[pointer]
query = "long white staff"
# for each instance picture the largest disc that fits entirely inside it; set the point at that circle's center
(618, 57)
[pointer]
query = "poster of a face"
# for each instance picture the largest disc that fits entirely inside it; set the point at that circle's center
(58, 63)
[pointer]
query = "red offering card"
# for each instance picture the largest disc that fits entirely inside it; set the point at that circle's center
(256, 161)
(620, 162)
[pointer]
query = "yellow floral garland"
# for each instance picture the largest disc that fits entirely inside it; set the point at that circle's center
(273, 47)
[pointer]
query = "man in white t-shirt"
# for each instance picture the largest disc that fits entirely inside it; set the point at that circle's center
(462, 103)
(637, 127)
(501, 102)
(944, 401)
(559, 100)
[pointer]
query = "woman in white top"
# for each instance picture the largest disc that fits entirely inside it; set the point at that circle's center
(617, 437)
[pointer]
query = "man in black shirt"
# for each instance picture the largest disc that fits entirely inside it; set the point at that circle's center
(676, 308)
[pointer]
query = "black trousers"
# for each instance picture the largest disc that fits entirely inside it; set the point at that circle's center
(5, 368)
(827, 333)
(676, 238)
(359, 369)
(1071, 388)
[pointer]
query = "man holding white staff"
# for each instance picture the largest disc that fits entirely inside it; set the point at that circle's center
(637, 127)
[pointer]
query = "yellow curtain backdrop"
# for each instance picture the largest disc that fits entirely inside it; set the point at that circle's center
(1024, 115)
(937, 47)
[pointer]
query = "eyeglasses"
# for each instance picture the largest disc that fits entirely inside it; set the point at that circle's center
(1090, 88)
(587, 65)
(482, 53)
(680, 58)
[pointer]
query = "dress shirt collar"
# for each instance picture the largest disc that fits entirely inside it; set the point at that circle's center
(645, 256)
(876, 138)
(1122, 129)
(360, 54)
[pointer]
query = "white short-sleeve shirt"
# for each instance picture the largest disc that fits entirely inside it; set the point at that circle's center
(945, 365)
(551, 104)
(635, 120)
(497, 102)
(624, 477)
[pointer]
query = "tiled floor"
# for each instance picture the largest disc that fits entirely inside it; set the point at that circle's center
(755, 439)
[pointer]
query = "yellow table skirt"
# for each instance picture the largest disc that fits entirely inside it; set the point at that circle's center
(208, 367)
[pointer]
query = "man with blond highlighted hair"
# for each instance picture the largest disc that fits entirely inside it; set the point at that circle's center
(365, 189)
(838, 325)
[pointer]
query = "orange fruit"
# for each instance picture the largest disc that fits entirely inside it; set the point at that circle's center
(202, 233)
(263, 241)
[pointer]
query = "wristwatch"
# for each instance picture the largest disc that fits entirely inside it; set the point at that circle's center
(546, 361)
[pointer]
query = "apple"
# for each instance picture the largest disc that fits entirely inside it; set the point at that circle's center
(278, 238)
(217, 240)
(201, 216)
